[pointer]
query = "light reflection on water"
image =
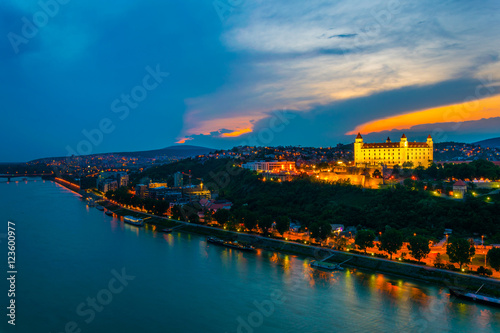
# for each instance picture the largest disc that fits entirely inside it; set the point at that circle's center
(184, 284)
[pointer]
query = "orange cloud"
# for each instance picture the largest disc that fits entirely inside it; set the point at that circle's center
(471, 110)
(236, 133)
(183, 140)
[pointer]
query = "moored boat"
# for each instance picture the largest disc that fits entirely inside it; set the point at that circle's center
(166, 230)
(99, 207)
(109, 213)
(326, 265)
(133, 220)
(215, 240)
(474, 296)
(231, 244)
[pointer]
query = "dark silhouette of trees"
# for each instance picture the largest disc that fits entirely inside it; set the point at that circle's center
(265, 223)
(222, 216)
(493, 258)
(419, 247)
(282, 224)
(320, 230)
(391, 241)
(364, 239)
(460, 250)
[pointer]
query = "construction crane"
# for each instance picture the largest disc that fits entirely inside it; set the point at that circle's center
(190, 176)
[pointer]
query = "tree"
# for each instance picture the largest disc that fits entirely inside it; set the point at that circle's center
(391, 241)
(194, 218)
(320, 230)
(282, 224)
(340, 242)
(419, 247)
(484, 271)
(407, 165)
(222, 216)
(176, 212)
(419, 172)
(460, 250)
(207, 216)
(265, 223)
(493, 258)
(438, 262)
(396, 169)
(376, 173)
(364, 239)
(249, 220)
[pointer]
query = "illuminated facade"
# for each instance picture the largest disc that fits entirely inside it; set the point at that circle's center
(393, 153)
(272, 167)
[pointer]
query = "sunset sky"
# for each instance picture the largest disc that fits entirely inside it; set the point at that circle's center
(216, 73)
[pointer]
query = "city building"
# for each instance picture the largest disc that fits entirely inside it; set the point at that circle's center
(197, 192)
(178, 179)
(107, 185)
(157, 185)
(393, 153)
(215, 205)
(271, 167)
(121, 179)
(459, 189)
(141, 190)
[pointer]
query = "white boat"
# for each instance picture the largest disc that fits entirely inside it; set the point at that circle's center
(133, 220)
(326, 265)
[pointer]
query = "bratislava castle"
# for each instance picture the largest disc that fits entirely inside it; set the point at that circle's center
(392, 153)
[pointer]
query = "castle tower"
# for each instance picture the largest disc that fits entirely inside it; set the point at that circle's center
(429, 141)
(404, 141)
(403, 146)
(431, 149)
(358, 144)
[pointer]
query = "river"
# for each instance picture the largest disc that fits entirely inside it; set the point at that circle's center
(79, 270)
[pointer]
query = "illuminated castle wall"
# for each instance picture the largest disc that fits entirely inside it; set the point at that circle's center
(393, 153)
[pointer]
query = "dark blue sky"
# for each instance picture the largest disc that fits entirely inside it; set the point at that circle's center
(101, 69)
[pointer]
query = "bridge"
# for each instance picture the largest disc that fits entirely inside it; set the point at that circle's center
(15, 175)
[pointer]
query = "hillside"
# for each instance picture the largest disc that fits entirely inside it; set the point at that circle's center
(180, 151)
(491, 143)
(177, 151)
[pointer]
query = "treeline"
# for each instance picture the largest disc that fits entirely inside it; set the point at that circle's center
(124, 197)
(316, 204)
(199, 170)
(459, 250)
(475, 169)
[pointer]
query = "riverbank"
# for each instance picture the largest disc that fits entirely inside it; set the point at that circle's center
(419, 272)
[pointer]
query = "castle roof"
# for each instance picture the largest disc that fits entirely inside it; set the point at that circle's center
(359, 136)
(381, 145)
(459, 183)
(395, 145)
(418, 145)
(429, 137)
(404, 136)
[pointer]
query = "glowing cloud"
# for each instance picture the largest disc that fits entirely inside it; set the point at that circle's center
(471, 110)
(183, 140)
(236, 133)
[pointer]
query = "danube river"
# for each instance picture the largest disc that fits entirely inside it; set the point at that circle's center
(79, 270)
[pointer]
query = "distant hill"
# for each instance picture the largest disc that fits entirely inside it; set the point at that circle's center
(178, 151)
(492, 143)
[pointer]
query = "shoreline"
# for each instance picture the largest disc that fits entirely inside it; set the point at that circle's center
(422, 273)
